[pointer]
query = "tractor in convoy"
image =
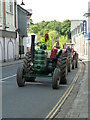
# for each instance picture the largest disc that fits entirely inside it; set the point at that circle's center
(37, 63)
(74, 55)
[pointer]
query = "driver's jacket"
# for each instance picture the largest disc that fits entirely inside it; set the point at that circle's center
(48, 43)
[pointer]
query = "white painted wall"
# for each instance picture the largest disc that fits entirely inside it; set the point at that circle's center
(17, 47)
(1, 17)
(10, 48)
(1, 49)
(81, 45)
(10, 52)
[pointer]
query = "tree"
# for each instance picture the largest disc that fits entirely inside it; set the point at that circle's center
(54, 28)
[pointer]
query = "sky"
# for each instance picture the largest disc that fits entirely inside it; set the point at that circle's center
(59, 10)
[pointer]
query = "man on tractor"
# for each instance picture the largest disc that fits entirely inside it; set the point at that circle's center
(58, 44)
(46, 40)
(46, 44)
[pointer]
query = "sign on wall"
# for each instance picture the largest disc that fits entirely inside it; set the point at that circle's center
(84, 27)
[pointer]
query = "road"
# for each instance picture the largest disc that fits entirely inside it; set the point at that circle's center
(35, 100)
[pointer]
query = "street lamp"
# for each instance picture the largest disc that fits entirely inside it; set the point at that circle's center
(22, 3)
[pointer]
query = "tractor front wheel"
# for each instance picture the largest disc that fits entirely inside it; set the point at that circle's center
(20, 79)
(56, 79)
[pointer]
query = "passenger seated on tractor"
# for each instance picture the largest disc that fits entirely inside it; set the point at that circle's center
(58, 45)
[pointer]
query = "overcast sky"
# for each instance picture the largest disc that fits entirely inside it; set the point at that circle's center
(59, 10)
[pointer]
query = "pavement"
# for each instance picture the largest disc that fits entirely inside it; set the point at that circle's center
(3, 64)
(76, 105)
(83, 58)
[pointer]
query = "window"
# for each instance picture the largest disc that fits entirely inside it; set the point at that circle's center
(10, 6)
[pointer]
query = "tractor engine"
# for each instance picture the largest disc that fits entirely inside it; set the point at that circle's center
(40, 61)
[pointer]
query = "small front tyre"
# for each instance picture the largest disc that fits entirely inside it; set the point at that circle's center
(20, 79)
(56, 79)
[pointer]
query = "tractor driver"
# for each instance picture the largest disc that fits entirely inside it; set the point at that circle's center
(46, 40)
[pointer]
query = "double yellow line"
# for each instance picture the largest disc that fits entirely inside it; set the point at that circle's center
(53, 112)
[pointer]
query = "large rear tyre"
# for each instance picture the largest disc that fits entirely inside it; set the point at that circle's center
(20, 79)
(69, 67)
(73, 64)
(76, 64)
(56, 79)
(27, 62)
(64, 75)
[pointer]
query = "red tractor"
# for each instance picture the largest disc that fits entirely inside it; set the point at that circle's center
(69, 47)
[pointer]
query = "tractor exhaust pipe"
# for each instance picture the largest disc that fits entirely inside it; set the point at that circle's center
(32, 47)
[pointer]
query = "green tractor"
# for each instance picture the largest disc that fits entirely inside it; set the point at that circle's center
(37, 63)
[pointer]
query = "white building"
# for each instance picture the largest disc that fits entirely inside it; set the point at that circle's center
(80, 32)
(8, 26)
(87, 36)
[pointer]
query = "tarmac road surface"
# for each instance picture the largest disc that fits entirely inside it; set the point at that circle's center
(35, 100)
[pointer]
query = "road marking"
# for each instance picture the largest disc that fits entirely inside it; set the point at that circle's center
(63, 98)
(8, 77)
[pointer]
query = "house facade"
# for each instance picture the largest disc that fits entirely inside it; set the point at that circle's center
(23, 20)
(87, 35)
(8, 26)
(78, 37)
(14, 21)
(80, 33)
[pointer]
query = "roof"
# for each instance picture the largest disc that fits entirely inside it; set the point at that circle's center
(87, 14)
(24, 10)
(76, 20)
(75, 24)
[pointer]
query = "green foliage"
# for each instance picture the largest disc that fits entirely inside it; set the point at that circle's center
(54, 28)
(53, 35)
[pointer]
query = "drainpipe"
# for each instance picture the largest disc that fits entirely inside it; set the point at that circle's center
(15, 19)
(4, 14)
(4, 27)
(15, 13)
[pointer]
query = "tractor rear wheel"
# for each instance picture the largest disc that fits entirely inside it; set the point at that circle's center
(73, 64)
(76, 59)
(69, 67)
(27, 62)
(76, 64)
(56, 79)
(69, 62)
(64, 75)
(20, 79)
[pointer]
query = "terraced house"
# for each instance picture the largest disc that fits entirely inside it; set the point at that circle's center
(8, 27)
(80, 31)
